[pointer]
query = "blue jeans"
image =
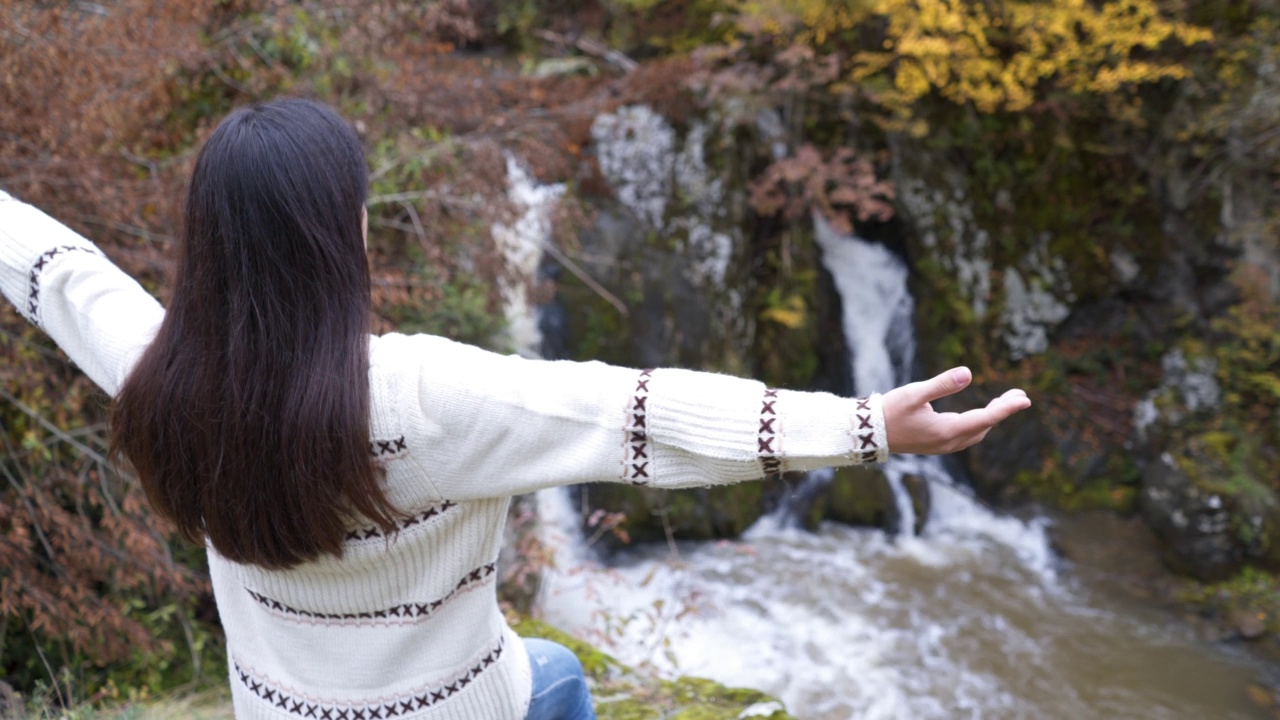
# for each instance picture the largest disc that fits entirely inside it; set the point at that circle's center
(559, 687)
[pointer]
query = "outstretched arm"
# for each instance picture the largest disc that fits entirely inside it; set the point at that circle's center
(63, 284)
(490, 425)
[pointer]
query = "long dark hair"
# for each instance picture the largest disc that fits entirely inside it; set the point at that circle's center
(247, 419)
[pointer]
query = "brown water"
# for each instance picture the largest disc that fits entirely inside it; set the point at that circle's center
(976, 619)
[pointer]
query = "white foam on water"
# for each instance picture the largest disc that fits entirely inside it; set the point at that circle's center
(817, 619)
(968, 620)
(878, 309)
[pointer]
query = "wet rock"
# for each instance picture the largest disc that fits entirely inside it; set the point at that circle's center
(1194, 525)
(1211, 514)
(863, 497)
(1187, 389)
(854, 496)
(654, 515)
(1250, 625)
(918, 489)
(1262, 697)
(1205, 490)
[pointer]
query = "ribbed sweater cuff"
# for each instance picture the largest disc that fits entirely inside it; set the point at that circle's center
(700, 425)
(28, 236)
(820, 429)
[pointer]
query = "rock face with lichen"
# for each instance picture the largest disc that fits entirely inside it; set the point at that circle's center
(674, 242)
(1138, 312)
(1036, 258)
(1213, 513)
(668, 244)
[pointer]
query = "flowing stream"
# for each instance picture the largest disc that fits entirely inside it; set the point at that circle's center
(973, 618)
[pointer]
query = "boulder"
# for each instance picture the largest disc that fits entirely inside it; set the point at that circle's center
(654, 515)
(863, 497)
(1212, 520)
(673, 272)
(1194, 526)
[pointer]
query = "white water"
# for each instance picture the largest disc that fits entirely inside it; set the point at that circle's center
(522, 244)
(820, 620)
(872, 283)
(971, 619)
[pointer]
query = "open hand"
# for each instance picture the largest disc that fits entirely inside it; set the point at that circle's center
(914, 427)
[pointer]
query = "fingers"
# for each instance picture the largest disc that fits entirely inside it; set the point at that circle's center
(981, 420)
(948, 383)
(914, 427)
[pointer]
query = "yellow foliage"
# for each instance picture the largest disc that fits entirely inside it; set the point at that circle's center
(791, 312)
(996, 55)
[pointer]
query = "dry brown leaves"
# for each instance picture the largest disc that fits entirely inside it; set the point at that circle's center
(101, 108)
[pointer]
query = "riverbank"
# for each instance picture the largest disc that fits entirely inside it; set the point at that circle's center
(1238, 617)
(976, 617)
(620, 692)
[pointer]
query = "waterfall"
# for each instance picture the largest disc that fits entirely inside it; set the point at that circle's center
(970, 619)
(877, 310)
(522, 244)
(830, 622)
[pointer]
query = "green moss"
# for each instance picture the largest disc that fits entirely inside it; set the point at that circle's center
(461, 311)
(856, 496)
(789, 329)
(1250, 592)
(1114, 488)
(626, 707)
(597, 665)
(694, 514)
(1235, 467)
(622, 694)
(690, 689)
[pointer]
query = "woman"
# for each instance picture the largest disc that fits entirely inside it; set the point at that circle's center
(351, 490)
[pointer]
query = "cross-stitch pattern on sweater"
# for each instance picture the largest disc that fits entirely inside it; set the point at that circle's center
(404, 614)
(307, 706)
(373, 532)
(388, 449)
(769, 437)
(37, 272)
(864, 442)
(635, 448)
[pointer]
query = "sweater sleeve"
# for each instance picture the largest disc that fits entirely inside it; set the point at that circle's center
(61, 282)
(502, 425)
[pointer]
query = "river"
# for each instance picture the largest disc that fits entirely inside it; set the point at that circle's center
(965, 621)
(976, 617)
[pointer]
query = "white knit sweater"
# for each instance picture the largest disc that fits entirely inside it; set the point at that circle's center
(409, 626)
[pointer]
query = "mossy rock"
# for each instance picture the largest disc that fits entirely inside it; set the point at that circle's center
(694, 514)
(1246, 604)
(863, 497)
(620, 693)
(598, 666)
(1210, 506)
